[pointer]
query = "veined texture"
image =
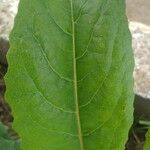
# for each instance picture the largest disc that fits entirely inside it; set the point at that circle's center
(69, 80)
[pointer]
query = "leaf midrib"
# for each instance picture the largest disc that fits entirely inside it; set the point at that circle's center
(75, 80)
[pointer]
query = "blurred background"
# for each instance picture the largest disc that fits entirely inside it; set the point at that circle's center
(138, 13)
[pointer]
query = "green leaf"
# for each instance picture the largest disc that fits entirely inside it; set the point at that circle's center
(69, 80)
(144, 122)
(147, 143)
(6, 142)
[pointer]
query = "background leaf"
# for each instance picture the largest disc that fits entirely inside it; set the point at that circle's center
(69, 80)
(147, 143)
(6, 142)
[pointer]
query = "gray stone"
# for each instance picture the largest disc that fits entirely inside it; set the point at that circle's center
(141, 47)
(8, 10)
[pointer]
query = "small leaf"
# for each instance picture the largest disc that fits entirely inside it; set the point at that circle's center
(144, 122)
(147, 143)
(6, 142)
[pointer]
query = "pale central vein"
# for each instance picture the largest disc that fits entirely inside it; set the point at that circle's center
(75, 79)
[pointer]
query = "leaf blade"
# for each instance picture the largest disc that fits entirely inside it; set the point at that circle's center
(47, 78)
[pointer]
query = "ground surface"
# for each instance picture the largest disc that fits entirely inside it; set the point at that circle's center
(138, 10)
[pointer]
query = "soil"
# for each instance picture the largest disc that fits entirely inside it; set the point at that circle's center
(5, 111)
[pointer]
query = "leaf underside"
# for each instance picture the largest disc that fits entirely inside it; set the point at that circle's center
(69, 80)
